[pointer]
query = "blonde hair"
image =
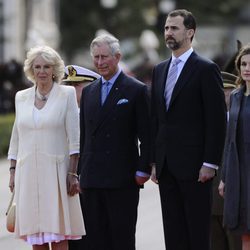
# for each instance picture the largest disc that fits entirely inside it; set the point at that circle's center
(50, 56)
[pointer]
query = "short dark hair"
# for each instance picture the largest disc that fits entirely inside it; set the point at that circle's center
(189, 19)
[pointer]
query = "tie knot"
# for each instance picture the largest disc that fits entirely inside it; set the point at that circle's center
(105, 90)
(106, 83)
(176, 61)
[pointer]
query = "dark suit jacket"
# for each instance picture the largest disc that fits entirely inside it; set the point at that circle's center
(192, 131)
(109, 156)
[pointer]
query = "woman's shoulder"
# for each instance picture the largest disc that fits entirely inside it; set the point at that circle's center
(65, 90)
(23, 94)
(237, 90)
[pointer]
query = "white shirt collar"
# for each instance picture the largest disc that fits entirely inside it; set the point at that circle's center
(112, 80)
(184, 56)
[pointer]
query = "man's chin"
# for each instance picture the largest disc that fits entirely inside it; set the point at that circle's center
(102, 72)
(171, 46)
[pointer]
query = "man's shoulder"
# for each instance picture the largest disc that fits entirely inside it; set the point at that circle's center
(95, 84)
(202, 59)
(130, 81)
(162, 63)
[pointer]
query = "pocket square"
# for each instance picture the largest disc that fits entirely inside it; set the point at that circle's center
(122, 101)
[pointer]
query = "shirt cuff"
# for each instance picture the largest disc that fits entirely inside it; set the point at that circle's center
(142, 174)
(209, 165)
(12, 157)
(74, 152)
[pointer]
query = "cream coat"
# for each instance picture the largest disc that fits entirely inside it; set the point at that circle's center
(42, 154)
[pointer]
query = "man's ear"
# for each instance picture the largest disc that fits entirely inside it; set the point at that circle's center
(118, 56)
(190, 33)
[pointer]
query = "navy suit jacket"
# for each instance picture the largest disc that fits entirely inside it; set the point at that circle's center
(192, 131)
(109, 155)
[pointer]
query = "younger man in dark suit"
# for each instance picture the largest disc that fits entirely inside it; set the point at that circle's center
(189, 124)
(114, 115)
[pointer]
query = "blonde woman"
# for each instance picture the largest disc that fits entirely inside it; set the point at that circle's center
(43, 155)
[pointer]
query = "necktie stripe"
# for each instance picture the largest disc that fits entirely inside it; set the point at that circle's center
(105, 91)
(171, 80)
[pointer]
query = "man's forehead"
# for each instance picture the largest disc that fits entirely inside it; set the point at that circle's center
(174, 21)
(101, 53)
(101, 48)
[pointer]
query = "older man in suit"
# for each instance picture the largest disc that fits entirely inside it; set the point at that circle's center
(189, 124)
(114, 115)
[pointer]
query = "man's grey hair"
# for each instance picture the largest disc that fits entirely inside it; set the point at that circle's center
(110, 40)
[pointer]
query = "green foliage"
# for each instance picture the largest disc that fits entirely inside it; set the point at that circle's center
(213, 11)
(79, 21)
(6, 123)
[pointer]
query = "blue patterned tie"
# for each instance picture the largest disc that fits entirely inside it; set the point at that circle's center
(105, 91)
(171, 80)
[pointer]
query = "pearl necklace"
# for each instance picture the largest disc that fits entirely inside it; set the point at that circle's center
(41, 97)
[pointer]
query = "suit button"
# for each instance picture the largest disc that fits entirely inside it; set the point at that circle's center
(107, 152)
(107, 135)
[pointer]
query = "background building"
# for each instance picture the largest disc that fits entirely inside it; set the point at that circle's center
(69, 27)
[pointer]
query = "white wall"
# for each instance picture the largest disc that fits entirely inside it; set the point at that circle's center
(14, 29)
(41, 27)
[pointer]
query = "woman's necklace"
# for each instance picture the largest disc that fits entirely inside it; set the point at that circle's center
(41, 97)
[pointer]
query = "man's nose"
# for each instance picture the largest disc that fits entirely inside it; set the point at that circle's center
(168, 32)
(100, 60)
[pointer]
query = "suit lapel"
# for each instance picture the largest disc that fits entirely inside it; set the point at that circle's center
(111, 101)
(238, 99)
(93, 100)
(162, 80)
(95, 97)
(186, 73)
